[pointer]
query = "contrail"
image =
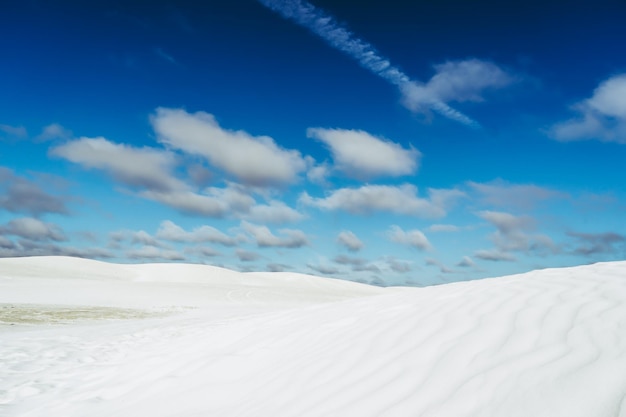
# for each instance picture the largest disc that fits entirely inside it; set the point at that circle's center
(326, 27)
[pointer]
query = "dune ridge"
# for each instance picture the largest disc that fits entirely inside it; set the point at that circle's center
(545, 343)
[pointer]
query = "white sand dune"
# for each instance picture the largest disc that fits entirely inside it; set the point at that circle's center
(547, 343)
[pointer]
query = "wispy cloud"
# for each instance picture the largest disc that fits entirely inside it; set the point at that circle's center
(18, 132)
(326, 27)
(164, 55)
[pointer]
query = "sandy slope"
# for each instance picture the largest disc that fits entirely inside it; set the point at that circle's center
(547, 343)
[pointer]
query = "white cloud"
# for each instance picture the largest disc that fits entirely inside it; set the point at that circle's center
(24, 196)
(252, 160)
(395, 199)
(6, 243)
(494, 255)
(456, 81)
(152, 253)
(144, 238)
(319, 174)
(359, 154)
(350, 241)
(442, 267)
(274, 212)
(414, 238)
(602, 117)
(466, 262)
(443, 228)
(589, 244)
(14, 131)
(54, 131)
(188, 202)
(33, 229)
(39, 248)
(170, 231)
(247, 256)
(324, 269)
(521, 196)
(202, 251)
(326, 27)
(398, 265)
(512, 234)
(290, 238)
(137, 167)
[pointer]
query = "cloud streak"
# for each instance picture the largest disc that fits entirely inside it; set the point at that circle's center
(326, 27)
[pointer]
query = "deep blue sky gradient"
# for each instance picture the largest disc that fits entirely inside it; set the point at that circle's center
(100, 69)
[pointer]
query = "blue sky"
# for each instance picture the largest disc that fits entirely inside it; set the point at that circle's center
(382, 142)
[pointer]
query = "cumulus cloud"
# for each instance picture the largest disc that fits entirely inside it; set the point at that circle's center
(33, 229)
(324, 269)
(170, 231)
(6, 243)
(153, 253)
(199, 175)
(290, 238)
(512, 235)
(442, 267)
(494, 255)
(361, 155)
(252, 160)
(202, 251)
(34, 248)
(414, 238)
(274, 212)
(601, 117)
(356, 264)
(350, 241)
(349, 260)
(144, 238)
(466, 262)
(54, 131)
(520, 196)
(589, 244)
(247, 256)
(23, 196)
(276, 267)
(137, 167)
(443, 228)
(397, 265)
(318, 174)
(395, 199)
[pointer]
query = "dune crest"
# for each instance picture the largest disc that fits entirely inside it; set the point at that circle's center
(545, 343)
